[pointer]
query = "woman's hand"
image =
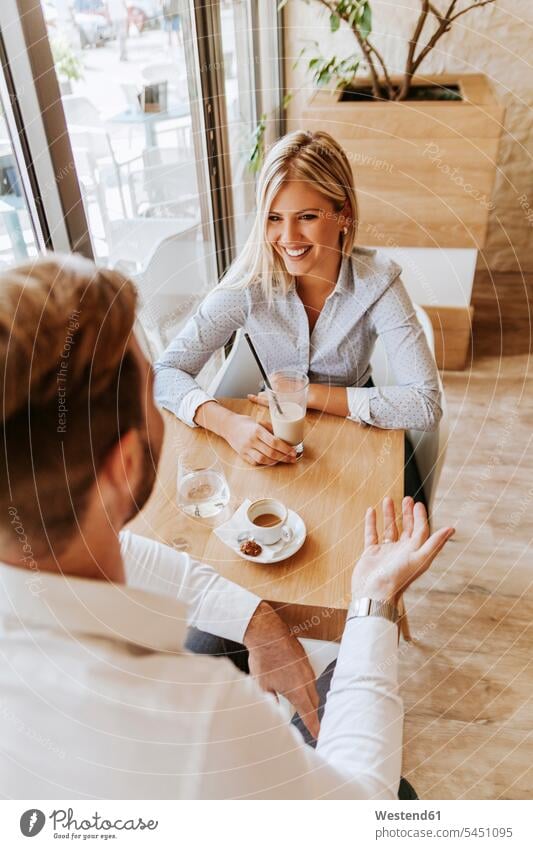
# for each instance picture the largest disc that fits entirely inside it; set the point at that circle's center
(256, 443)
(260, 399)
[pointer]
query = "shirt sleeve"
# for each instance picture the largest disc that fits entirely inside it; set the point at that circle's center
(253, 753)
(214, 604)
(190, 403)
(415, 401)
(219, 315)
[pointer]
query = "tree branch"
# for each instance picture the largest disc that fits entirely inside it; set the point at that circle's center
(435, 11)
(413, 62)
(366, 48)
(413, 42)
(377, 54)
(451, 7)
(468, 8)
(367, 51)
(445, 24)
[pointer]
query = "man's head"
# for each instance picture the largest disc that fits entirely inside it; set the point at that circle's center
(80, 430)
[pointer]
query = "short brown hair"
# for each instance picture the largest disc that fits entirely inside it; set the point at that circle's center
(65, 327)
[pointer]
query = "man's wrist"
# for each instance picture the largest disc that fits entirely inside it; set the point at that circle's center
(368, 606)
(380, 590)
(259, 630)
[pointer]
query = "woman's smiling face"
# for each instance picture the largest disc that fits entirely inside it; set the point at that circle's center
(304, 229)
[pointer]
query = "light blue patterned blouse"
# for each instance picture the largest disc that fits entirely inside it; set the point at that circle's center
(369, 300)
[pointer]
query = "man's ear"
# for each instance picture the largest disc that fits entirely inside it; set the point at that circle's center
(122, 466)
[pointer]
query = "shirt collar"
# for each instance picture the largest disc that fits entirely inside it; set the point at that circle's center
(345, 280)
(97, 608)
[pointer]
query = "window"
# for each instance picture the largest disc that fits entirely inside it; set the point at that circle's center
(17, 236)
(140, 117)
(123, 76)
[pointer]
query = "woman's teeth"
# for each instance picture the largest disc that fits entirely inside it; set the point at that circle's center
(298, 252)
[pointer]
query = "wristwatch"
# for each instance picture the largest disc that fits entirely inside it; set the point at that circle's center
(371, 607)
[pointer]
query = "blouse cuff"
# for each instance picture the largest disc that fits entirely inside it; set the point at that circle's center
(190, 403)
(359, 404)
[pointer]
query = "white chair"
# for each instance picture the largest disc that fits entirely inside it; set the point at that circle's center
(171, 285)
(429, 446)
(80, 110)
(239, 376)
(84, 123)
(132, 240)
(165, 190)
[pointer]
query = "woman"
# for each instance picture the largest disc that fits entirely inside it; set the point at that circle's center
(310, 301)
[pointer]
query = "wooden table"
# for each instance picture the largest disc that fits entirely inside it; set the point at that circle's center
(345, 468)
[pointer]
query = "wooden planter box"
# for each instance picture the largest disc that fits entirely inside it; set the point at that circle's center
(424, 171)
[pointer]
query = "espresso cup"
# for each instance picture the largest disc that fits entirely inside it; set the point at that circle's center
(266, 519)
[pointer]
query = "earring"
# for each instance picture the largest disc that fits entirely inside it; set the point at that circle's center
(345, 231)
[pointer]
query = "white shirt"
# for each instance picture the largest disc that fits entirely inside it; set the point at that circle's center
(369, 300)
(98, 698)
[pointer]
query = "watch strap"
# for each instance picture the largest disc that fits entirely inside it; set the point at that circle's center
(372, 607)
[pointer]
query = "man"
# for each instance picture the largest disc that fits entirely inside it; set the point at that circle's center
(98, 695)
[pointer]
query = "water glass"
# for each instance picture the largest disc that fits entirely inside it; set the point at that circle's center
(202, 488)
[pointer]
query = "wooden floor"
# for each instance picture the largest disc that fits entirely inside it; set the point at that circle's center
(467, 683)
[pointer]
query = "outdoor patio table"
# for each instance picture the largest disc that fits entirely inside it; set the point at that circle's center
(150, 120)
(346, 468)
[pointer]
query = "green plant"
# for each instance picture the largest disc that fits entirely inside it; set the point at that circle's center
(258, 151)
(257, 155)
(68, 66)
(357, 16)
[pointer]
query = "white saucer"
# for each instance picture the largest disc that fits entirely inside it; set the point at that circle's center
(299, 533)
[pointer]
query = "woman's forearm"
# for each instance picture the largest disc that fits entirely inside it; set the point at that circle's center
(213, 417)
(328, 399)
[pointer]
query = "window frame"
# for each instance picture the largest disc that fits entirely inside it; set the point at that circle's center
(41, 143)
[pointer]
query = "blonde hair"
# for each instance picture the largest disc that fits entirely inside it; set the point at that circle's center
(302, 155)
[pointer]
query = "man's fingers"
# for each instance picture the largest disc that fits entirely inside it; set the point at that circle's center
(421, 524)
(312, 722)
(390, 531)
(305, 701)
(371, 533)
(427, 553)
(407, 517)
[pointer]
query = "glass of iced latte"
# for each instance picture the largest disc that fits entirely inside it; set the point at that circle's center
(287, 401)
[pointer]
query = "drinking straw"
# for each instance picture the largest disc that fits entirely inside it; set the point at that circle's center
(263, 372)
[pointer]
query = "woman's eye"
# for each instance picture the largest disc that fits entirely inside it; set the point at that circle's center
(308, 216)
